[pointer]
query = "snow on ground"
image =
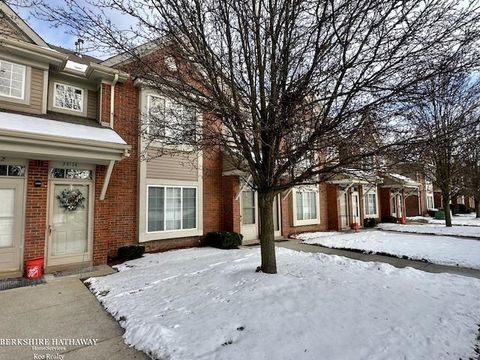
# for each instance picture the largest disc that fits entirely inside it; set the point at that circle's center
(442, 250)
(207, 303)
(460, 219)
(433, 229)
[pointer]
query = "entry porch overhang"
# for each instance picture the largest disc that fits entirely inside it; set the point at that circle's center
(397, 181)
(352, 177)
(37, 138)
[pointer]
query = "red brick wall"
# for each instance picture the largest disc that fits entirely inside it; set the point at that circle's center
(384, 197)
(411, 205)
(36, 210)
(212, 191)
(437, 199)
(231, 206)
(333, 207)
(115, 222)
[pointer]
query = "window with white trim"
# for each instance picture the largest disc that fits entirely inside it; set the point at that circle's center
(12, 79)
(170, 120)
(68, 97)
(306, 205)
(171, 208)
(371, 204)
(430, 201)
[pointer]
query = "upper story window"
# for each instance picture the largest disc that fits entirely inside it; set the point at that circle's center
(171, 121)
(68, 97)
(12, 79)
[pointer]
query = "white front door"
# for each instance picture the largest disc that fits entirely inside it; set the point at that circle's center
(277, 216)
(249, 215)
(344, 221)
(69, 226)
(11, 224)
(355, 207)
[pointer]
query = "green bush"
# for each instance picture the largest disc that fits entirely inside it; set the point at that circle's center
(224, 239)
(390, 219)
(369, 222)
(131, 252)
(440, 214)
(463, 209)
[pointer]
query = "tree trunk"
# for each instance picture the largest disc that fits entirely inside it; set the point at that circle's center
(267, 241)
(446, 208)
(477, 206)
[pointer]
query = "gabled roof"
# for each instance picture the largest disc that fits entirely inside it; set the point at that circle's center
(22, 25)
(73, 56)
(393, 180)
(140, 50)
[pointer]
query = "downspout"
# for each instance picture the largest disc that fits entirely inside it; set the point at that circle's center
(112, 99)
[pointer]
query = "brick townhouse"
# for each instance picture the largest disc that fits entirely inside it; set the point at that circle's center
(74, 186)
(71, 178)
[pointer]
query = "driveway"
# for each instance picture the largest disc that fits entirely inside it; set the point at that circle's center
(60, 309)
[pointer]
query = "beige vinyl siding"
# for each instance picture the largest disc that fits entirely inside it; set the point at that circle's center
(35, 87)
(10, 30)
(182, 166)
(92, 104)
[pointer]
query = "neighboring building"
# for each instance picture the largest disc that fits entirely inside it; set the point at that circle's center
(75, 189)
(352, 199)
(399, 196)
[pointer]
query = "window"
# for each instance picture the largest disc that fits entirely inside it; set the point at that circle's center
(12, 170)
(171, 121)
(68, 97)
(12, 80)
(59, 173)
(306, 203)
(430, 203)
(371, 204)
(171, 208)
(248, 207)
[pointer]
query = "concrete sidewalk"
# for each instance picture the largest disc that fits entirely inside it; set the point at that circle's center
(63, 308)
(397, 262)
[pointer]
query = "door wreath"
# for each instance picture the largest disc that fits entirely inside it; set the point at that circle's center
(71, 200)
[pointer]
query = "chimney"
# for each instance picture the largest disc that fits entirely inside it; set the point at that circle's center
(79, 46)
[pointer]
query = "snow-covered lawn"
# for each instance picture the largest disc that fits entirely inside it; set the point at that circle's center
(442, 250)
(210, 304)
(433, 229)
(459, 220)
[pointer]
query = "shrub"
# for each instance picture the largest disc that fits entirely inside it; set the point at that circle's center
(455, 209)
(370, 222)
(390, 219)
(431, 212)
(463, 209)
(224, 239)
(131, 252)
(440, 214)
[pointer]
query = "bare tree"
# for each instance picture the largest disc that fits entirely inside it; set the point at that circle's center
(443, 113)
(286, 82)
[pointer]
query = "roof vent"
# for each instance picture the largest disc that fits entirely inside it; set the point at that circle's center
(79, 46)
